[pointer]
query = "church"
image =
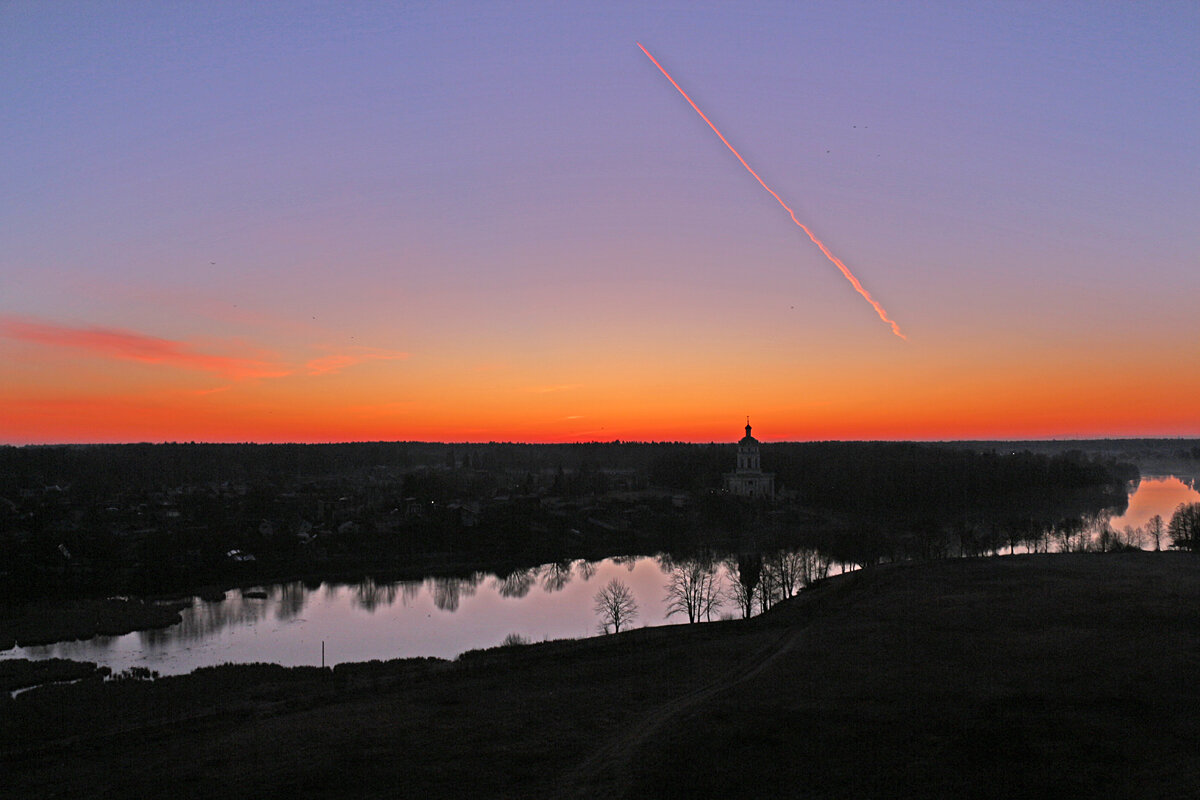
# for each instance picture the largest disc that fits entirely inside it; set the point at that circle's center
(748, 480)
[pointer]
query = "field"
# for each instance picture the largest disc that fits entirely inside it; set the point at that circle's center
(1060, 675)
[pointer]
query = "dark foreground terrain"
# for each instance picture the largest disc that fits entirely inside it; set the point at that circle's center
(1060, 675)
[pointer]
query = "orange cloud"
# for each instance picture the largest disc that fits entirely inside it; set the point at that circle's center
(129, 345)
(132, 346)
(358, 355)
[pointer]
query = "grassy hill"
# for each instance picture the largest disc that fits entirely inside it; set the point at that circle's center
(1059, 675)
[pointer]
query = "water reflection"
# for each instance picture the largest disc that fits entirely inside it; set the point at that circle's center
(444, 615)
(1160, 496)
(292, 598)
(409, 591)
(204, 619)
(515, 584)
(449, 591)
(368, 595)
(556, 575)
(628, 562)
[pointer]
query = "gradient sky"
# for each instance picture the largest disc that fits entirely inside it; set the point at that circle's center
(498, 221)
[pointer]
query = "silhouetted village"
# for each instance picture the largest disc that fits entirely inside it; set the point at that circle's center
(153, 518)
(917, 666)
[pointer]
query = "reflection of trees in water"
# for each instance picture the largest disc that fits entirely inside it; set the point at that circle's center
(409, 590)
(556, 575)
(448, 591)
(369, 595)
(628, 562)
(292, 597)
(515, 584)
(586, 569)
(203, 619)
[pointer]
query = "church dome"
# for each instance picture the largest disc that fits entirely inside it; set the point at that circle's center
(748, 439)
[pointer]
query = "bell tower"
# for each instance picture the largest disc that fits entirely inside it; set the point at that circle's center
(748, 480)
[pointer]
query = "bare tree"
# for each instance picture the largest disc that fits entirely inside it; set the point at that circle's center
(1132, 537)
(615, 605)
(768, 587)
(1106, 538)
(787, 566)
(1185, 527)
(694, 589)
(745, 572)
(792, 570)
(1071, 535)
(1155, 529)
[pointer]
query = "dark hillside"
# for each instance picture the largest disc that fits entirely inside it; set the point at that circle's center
(1059, 675)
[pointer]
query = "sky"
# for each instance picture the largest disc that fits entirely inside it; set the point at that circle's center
(226, 221)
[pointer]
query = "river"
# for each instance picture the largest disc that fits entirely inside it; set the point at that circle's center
(295, 624)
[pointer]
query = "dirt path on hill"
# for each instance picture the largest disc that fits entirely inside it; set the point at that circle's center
(606, 772)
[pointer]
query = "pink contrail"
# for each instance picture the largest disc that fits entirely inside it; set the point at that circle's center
(837, 262)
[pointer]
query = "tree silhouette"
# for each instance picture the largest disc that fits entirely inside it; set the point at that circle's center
(1185, 526)
(745, 571)
(1155, 528)
(615, 605)
(694, 589)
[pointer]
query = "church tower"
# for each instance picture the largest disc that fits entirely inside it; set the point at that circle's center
(748, 480)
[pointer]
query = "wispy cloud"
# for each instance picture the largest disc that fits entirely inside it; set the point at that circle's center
(338, 361)
(128, 345)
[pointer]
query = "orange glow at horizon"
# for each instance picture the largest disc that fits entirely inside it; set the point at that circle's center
(85, 383)
(268, 412)
(837, 262)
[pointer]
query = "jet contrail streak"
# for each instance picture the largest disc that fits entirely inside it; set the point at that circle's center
(837, 262)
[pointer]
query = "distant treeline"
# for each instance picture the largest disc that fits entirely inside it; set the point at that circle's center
(147, 467)
(890, 479)
(153, 518)
(815, 469)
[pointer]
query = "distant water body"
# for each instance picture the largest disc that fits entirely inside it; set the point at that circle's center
(1156, 495)
(432, 617)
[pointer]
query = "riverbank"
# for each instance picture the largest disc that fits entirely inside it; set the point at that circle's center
(1067, 675)
(49, 621)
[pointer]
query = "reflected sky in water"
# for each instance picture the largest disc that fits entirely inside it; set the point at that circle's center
(437, 616)
(440, 616)
(1155, 495)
